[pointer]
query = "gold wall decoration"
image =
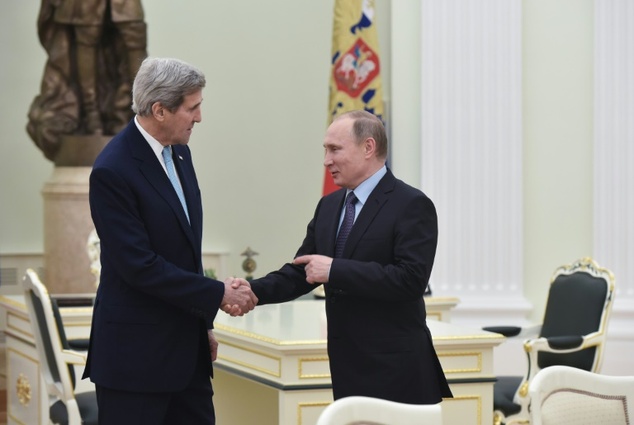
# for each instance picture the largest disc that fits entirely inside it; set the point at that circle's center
(23, 390)
(249, 264)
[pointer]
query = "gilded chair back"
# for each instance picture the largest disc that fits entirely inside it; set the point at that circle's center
(56, 361)
(46, 334)
(579, 303)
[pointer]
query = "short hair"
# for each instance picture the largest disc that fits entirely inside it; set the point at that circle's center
(367, 125)
(164, 80)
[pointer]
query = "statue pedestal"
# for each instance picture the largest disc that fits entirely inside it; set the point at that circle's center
(67, 225)
(67, 220)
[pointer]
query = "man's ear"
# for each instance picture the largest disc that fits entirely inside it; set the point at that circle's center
(369, 146)
(158, 111)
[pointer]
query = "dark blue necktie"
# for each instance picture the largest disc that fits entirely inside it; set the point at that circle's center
(346, 224)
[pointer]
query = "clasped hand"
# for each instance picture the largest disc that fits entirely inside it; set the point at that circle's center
(239, 299)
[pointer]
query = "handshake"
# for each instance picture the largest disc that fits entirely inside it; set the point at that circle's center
(239, 299)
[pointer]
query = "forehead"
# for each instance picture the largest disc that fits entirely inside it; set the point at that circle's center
(193, 99)
(339, 132)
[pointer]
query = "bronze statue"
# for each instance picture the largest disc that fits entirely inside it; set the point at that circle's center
(94, 48)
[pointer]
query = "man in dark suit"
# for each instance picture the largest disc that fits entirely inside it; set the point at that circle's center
(378, 341)
(151, 344)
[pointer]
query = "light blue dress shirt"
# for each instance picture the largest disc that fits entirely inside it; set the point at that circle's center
(362, 192)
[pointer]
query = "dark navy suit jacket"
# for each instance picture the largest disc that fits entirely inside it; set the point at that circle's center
(378, 341)
(153, 304)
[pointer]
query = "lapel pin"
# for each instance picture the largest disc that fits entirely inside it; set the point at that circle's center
(180, 157)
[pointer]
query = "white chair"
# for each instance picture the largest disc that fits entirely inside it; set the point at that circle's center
(367, 410)
(56, 360)
(563, 395)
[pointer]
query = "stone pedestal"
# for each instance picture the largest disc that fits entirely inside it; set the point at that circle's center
(67, 225)
(67, 220)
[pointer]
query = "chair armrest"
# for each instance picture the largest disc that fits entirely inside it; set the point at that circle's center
(507, 331)
(563, 344)
(593, 339)
(515, 331)
(558, 345)
(79, 344)
(74, 357)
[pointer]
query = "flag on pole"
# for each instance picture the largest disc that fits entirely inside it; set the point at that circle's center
(355, 80)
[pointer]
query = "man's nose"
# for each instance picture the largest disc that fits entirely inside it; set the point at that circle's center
(327, 160)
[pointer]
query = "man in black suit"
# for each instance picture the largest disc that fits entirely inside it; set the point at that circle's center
(378, 341)
(151, 344)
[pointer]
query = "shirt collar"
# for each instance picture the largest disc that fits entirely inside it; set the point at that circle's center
(156, 146)
(362, 192)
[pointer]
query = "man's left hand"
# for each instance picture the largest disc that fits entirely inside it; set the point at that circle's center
(316, 267)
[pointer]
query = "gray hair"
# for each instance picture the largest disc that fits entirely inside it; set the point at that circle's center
(164, 80)
(367, 125)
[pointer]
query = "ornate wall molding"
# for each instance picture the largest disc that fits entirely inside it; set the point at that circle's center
(614, 141)
(614, 153)
(472, 149)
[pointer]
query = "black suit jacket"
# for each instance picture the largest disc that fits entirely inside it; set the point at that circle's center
(378, 341)
(153, 303)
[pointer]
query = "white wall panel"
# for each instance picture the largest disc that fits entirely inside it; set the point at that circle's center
(472, 150)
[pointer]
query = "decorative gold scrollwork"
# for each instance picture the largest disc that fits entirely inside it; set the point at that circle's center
(23, 389)
(524, 389)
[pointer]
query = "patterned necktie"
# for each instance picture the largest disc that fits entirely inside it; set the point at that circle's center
(346, 224)
(171, 173)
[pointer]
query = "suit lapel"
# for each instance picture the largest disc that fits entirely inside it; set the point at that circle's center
(185, 170)
(373, 205)
(150, 167)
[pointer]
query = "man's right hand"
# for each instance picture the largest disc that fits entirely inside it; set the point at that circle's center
(238, 299)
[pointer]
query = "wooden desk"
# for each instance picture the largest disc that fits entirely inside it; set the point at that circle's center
(273, 367)
(273, 359)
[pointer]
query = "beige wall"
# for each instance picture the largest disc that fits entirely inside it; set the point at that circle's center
(258, 150)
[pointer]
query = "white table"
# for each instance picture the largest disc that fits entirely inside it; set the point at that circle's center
(273, 367)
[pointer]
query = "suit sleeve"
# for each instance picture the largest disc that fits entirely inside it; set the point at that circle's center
(289, 282)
